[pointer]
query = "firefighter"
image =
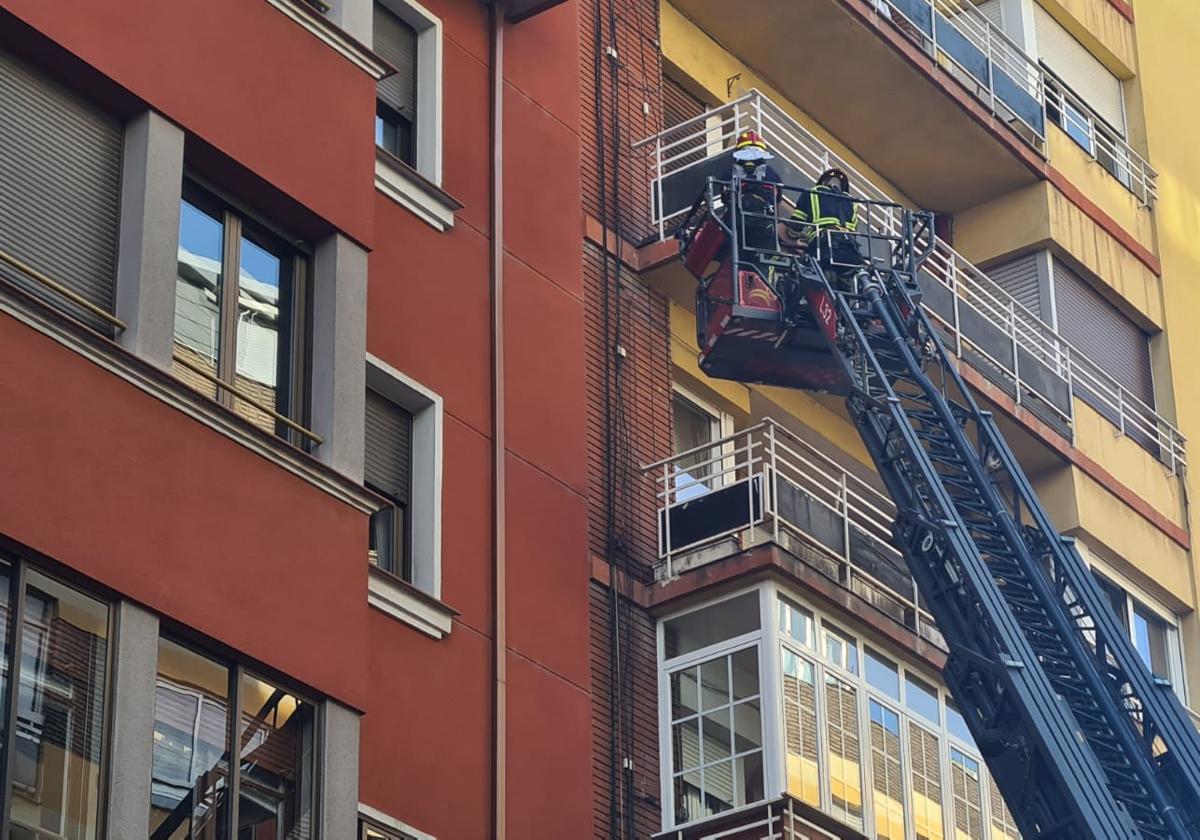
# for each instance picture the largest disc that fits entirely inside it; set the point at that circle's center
(827, 217)
(760, 202)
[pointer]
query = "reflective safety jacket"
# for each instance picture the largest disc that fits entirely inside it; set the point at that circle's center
(824, 208)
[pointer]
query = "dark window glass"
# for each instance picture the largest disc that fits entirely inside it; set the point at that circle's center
(396, 41)
(387, 470)
(709, 625)
(277, 746)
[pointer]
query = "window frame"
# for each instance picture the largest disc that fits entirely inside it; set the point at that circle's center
(756, 639)
(773, 647)
(238, 671)
(416, 602)
(293, 391)
(721, 426)
(1136, 597)
(401, 537)
(18, 584)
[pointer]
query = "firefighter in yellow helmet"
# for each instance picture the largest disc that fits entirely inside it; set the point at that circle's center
(760, 197)
(827, 217)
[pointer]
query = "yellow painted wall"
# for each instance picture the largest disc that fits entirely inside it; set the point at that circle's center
(708, 66)
(1094, 181)
(1039, 215)
(1100, 28)
(1168, 32)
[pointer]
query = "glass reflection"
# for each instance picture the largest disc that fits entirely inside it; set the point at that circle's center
(885, 765)
(198, 286)
(189, 795)
(258, 331)
(60, 714)
(800, 728)
(277, 750)
(925, 788)
(968, 796)
(845, 772)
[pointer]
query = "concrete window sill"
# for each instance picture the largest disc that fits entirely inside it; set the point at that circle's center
(404, 602)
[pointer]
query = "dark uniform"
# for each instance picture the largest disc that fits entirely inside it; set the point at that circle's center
(760, 198)
(827, 219)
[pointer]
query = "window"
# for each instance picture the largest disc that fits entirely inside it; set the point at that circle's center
(694, 424)
(716, 735)
(241, 315)
(388, 471)
(60, 178)
(396, 107)
(403, 462)
(56, 733)
(712, 741)
(1153, 635)
(882, 747)
(200, 785)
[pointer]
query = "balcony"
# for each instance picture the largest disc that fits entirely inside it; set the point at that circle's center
(786, 818)
(766, 485)
(941, 103)
(1099, 140)
(981, 322)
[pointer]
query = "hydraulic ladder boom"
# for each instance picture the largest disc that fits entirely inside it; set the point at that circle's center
(1083, 741)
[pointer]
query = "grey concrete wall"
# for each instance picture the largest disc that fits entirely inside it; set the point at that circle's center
(151, 183)
(339, 347)
(132, 745)
(339, 771)
(354, 16)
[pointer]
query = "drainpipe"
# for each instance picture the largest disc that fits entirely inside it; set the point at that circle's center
(499, 604)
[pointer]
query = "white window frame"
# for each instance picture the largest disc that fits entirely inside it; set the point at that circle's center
(722, 427)
(767, 693)
(421, 192)
(1135, 593)
(387, 592)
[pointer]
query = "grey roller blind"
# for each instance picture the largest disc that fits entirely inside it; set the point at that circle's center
(388, 449)
(1083, 72)
(1019, 277)
(396, 42)
(60, 172)
(992, 11)
(1102, 332)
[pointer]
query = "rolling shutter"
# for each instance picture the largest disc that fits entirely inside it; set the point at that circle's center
(1098, 329)
(396, 42)
(1019, 277)
(387, 465)
(1082, 71)
(991, 11)
(60, 178)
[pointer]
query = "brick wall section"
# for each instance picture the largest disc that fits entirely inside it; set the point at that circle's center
(639, 89)
(640, 718)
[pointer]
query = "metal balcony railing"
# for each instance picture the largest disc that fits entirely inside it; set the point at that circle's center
(983, 323)
(1099, 139)
(779, 819)
(766, 485)
(983, 59)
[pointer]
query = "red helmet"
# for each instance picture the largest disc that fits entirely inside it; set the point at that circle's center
(750, 146)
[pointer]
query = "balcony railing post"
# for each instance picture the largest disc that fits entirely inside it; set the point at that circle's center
(1016, 351)
(1121, 408)
(666, 523)
(1070, 378)
(955, 293)
(660, 212)
(773, 461)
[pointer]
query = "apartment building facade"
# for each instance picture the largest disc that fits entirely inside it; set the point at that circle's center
(763, 665)
(274, 421)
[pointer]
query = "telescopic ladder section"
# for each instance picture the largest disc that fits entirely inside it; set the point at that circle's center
(1083, 741)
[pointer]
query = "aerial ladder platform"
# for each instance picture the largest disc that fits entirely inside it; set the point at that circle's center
(1081, 738)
